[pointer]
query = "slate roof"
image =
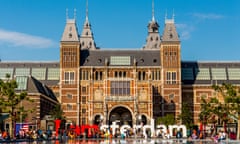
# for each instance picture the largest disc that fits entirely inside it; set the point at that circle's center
(35, 86)
(31, 65)
(70, 31)
(142, 57)
(170, 33)
(194, 66)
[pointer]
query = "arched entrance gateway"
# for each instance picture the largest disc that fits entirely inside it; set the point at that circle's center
(121, 115)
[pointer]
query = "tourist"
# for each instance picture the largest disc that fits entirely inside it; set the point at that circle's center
(194, 135)
(167, 135)
(179, 134)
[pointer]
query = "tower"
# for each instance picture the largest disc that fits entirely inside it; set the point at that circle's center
(69, 70)
(87, 39)
(171, 68)
(153, 39)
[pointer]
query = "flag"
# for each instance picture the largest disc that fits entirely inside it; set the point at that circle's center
(25, 127)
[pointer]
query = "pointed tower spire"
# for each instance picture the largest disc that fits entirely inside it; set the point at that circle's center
(173, 16)
(66, 14)
(75, 14)
(86, 39)
(70, 32)
(165, 15)
(87, 10)
(170, 33)
(153, 38)
(153, 19)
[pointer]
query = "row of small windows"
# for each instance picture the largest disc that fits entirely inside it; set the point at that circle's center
(151, 38)
(170, 53)
(216, 74)
(89, 44)
(153, 75)
(121, 88)
(142, 75)
(38, 73)
(121, 60)
(69, 56)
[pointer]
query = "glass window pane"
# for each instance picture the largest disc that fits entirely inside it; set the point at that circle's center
(120, 60)
(4, 71)
(187, 74)
(53, 74)
(39, 73)
(22, 82)
(219, 74)
(202, 73)
(233, 73)
(22, 72)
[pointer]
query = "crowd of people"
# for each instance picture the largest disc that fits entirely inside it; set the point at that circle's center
(64, 134)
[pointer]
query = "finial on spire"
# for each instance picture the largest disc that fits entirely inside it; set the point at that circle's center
(86, 9)
(153, 19)
(66, 14)
(166, 15)
(75, 13)
(173, 16)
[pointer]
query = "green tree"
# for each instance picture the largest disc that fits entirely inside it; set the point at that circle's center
(57, 112)
(230, 107)
(169, 119)
(10, 100)
(186, 116)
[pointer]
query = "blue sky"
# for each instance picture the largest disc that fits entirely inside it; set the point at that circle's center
(30, 30)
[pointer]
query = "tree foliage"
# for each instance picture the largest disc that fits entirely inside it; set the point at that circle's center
(57, 112)
(169, 119)
(225, 110)
(10, 100)
(186, 116)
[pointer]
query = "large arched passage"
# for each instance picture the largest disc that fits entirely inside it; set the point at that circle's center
(121, 115)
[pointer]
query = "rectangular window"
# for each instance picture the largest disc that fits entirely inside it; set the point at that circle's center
(69, 77)
(83, 111)
(234, 73)
(219, 74)
(84, 99)
(69, 107)
(22, 72)
(53, 74)
(142, 75)
(98, 75)
(21, 82)
(4, 71)
(84, 90)
(120, 60)
(171, 78)
(202, 73)
(155, 75)
(84, 75)
(39, 73)
(120, 88)
(69, 96)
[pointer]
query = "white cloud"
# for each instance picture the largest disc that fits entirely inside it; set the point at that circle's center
(17, 39)
(185, 31)
(209, 16)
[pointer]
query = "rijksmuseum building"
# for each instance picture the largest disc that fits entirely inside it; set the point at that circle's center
(95, 85)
